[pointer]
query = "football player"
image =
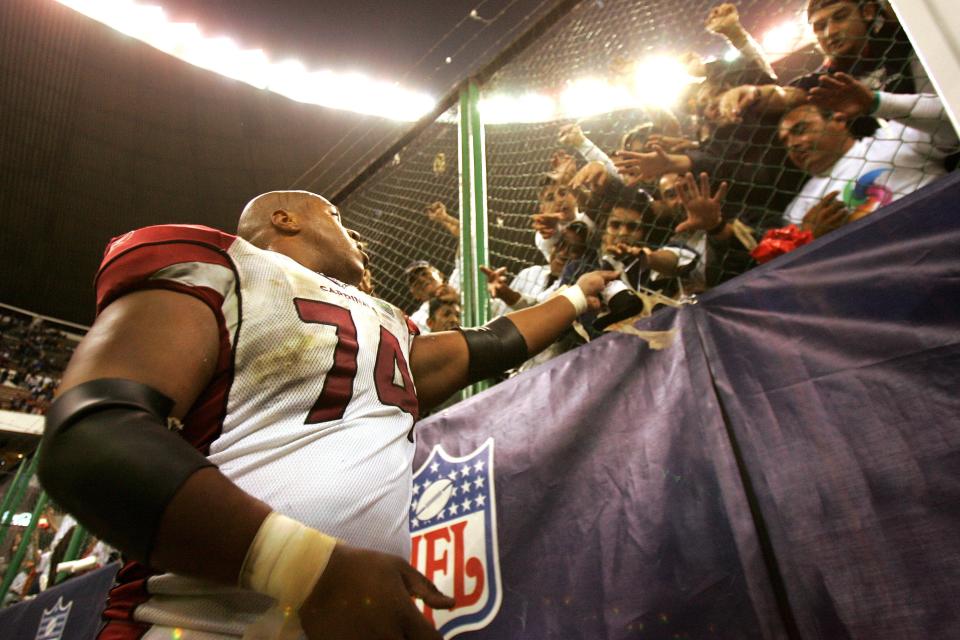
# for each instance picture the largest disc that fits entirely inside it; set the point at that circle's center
(239, 422)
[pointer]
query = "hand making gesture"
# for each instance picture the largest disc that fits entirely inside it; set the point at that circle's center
(703, 210)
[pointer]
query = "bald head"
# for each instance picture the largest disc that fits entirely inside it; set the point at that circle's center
(256, 224)
(306, 227)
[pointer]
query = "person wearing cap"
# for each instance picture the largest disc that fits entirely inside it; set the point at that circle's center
(426, 282)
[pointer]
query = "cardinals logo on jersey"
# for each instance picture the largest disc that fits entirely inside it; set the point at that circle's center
(453, 524)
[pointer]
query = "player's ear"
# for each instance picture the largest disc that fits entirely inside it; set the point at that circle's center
(285, 222)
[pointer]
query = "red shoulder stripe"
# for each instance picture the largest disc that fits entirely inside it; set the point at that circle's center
(130, 260)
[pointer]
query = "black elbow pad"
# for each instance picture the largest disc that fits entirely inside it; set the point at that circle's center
(109, 459)
(494, 348)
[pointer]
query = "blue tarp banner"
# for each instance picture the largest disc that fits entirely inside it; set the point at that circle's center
(69, 611)
(788, 467)
(839, 369)
(619, 506)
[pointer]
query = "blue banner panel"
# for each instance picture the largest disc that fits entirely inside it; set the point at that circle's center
(839, 369)
(615, 508)
(69, 611)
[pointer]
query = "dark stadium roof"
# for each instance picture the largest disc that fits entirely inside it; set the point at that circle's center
(101, 134)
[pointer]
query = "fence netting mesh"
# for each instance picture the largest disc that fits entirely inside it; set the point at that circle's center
(392, 211)
(799, 116)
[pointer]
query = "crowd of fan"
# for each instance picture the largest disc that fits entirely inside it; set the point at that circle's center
(754, 166)
(46, 550)
(32, 357)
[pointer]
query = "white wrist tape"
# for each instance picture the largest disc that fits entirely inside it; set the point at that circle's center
(611, 289)
(285, 560)
(576, 297)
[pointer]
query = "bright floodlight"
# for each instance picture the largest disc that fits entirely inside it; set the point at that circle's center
(529, 107)
(347, 91)
(786, 38)
(592, 96)
(660, 81)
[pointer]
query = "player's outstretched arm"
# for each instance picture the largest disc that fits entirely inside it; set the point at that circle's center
(108, 457)
(446, 361)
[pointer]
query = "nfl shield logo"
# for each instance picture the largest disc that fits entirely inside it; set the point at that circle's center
(53, 621)
(453, 524)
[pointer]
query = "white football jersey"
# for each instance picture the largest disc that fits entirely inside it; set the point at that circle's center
(311, 408)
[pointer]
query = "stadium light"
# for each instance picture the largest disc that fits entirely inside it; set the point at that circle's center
(591, 96)
(786, 37)
(660, 81)
(347, 91)
(529, 107)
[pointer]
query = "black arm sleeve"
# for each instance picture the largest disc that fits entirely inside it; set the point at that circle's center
(109, 459)
(494, 348)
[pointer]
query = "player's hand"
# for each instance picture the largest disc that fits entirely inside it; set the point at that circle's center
(842, 93)
(593, 283)
(365, 594)
(827, 215)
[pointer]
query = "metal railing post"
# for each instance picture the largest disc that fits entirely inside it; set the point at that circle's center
(473, 214)
(479, 173)
(17, 492)
(77, 541)
(11, 489)
(17, 559)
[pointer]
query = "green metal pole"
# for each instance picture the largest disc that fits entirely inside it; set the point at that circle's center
(466, 213)
(8, 495)
(467, 265)
(78, 539)
(478, 173)
(18, 493)
(481, 251)
(17, 560)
